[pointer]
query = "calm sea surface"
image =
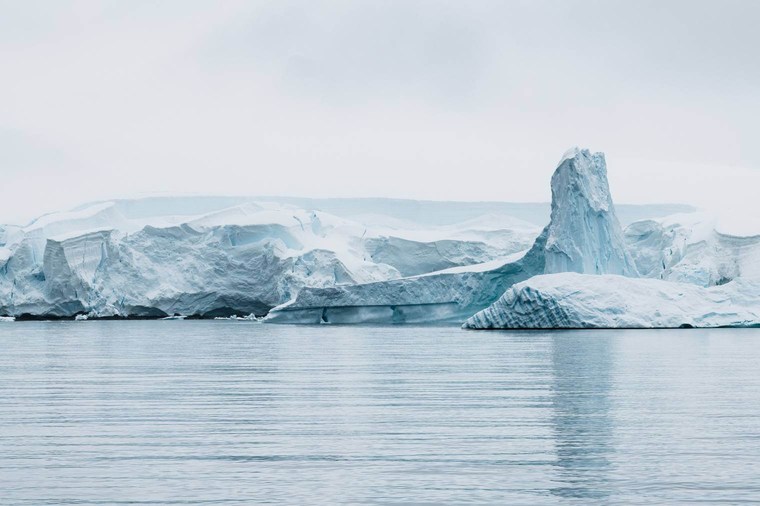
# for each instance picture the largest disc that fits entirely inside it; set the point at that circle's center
(216, 412)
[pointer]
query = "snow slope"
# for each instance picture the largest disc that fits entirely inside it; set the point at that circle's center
(571, 300)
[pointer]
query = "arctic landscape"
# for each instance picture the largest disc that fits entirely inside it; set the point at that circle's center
(379, 253)
(575, 263)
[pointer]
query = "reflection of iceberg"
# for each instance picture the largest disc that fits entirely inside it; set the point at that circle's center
(582, 423)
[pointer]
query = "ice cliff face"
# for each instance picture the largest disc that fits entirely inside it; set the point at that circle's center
(687, 248)
(159, 271)
(216, 256)
(572, 300)
(584, 236)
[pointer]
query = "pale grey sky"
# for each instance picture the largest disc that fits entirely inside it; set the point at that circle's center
(419, 99)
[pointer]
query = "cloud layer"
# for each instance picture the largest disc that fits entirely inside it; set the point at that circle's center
(420, 99)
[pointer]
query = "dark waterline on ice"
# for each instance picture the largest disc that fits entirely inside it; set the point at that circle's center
(147, 412)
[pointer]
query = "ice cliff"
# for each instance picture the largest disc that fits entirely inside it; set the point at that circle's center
(218, 256)
(572, 300)
(584, 234)
(687, 248)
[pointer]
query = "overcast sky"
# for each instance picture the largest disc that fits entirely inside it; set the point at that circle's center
(421, 99)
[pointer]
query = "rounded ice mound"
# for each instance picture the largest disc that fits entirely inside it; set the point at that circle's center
(570, 300)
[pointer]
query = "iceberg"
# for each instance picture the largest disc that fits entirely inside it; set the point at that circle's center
(329, 260)
(692, 275)
(583, 235)
(571, 300)
(214, 257)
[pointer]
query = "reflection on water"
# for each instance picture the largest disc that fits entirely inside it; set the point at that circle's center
(239, 413)
(582, 422)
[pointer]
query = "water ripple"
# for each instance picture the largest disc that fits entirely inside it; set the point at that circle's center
(200, 412)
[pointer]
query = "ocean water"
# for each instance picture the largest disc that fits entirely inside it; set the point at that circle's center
(216, 412)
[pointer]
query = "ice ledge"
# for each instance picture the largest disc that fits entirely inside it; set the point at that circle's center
(571, 300)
